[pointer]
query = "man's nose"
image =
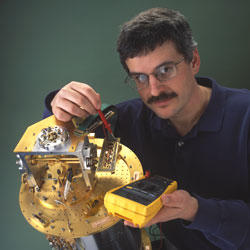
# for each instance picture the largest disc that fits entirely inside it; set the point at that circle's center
(154, 85)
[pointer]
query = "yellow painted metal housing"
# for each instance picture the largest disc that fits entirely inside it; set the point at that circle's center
(133, 211)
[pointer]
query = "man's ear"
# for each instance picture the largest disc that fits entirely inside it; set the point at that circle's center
(195, 63)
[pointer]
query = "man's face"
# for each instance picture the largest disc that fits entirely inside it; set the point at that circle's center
(171, 98)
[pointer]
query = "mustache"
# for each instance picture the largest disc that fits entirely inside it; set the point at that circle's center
(161, 97)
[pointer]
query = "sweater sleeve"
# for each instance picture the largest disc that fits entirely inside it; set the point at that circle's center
(48, 110)
(225, 223)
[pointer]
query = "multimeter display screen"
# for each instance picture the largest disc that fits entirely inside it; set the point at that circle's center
(144, 191)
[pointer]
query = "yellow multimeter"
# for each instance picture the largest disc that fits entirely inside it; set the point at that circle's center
(139, 201)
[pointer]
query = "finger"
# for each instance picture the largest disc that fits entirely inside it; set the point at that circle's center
(88, 92)
(165, 214)
(68, 107)
(130, 224)
(174, 199)
(152, 222)
(168, 201)
(61, 115)
(76, 98)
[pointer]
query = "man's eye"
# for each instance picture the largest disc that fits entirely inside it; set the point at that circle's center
(165, 69)
(141, 78)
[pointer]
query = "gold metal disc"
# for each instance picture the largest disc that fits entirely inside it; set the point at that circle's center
(83, 213)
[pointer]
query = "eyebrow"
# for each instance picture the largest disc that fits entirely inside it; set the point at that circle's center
(158, 66)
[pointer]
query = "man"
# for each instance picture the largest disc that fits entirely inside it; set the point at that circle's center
(186, 128)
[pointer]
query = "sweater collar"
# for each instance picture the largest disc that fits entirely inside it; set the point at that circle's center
(212, 118)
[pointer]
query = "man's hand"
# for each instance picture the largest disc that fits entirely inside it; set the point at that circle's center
(177, 205)
(75, 99)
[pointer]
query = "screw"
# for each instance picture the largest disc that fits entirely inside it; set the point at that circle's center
(45, 198)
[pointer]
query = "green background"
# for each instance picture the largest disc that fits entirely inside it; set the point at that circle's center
(45, 44)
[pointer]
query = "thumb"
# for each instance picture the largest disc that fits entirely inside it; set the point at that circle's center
(166, 199)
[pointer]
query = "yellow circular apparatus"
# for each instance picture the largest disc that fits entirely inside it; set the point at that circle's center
(83, 213)
(69, 208)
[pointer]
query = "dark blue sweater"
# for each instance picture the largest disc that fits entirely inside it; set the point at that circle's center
(211, 162)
